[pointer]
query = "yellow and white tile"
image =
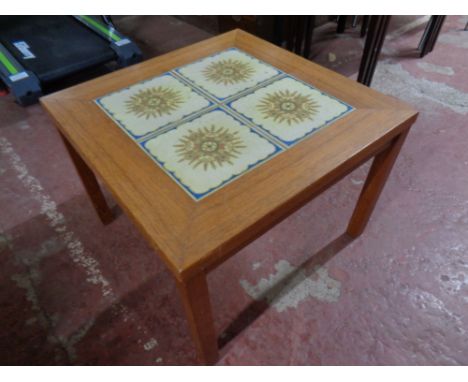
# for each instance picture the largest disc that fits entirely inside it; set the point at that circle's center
(206, 153)
(290, 109)
(147, 106)
(227, 73)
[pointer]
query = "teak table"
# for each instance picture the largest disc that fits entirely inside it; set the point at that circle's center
(208, 147)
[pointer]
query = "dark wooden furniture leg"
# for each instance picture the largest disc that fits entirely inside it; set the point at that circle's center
(196, 300)
(90, 184)
(290, 27)
(310, 24)
(341, 24)
(430, 35)
(299, 35)
(375, 182)
(435, 35)
(374, 41)
(364, 25)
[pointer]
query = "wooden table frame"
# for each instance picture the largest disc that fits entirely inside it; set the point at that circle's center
(377, 128)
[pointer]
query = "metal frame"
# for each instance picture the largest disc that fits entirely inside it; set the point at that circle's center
(24, 84)
(127, 52)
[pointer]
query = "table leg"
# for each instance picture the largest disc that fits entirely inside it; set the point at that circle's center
(378, 174)
(196, 300)
(90, 184)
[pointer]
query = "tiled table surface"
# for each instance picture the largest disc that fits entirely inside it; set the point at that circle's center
(211, 121)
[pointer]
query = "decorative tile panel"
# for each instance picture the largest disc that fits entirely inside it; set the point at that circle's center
(148, 106)
(209, 122)
(204, 154)
(290, 109)
(227, 73)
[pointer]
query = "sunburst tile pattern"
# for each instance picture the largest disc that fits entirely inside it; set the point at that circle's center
(208, 152)
(209, 122)
(290, 109)
(143, 108)
(227, 73)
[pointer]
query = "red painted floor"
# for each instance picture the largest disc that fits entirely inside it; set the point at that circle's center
(75, 292)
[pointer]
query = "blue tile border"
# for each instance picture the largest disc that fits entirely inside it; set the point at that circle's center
(137, 137)
(250, 167)
(349, 108)
(222, 99)
(270, 137)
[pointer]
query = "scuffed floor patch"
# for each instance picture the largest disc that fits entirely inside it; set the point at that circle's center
(432, 68)
(289, 285)
(64, 239)
(392, 78)
(458, 40)
(5, 241)
(152, 343)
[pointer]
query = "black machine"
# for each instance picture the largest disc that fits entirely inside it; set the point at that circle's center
(38, 50)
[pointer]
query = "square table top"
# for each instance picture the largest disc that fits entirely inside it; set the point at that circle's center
(210, 145)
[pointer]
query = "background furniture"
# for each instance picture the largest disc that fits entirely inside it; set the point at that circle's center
(375, 27)
(295, 33)
(430, 35)
(36, 51)
(375, 37)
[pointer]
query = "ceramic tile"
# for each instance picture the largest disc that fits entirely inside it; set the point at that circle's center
(208, 152)
(290, 109)
(145, 107)
(228, 73)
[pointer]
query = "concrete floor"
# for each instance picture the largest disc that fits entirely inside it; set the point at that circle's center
(75, 292)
